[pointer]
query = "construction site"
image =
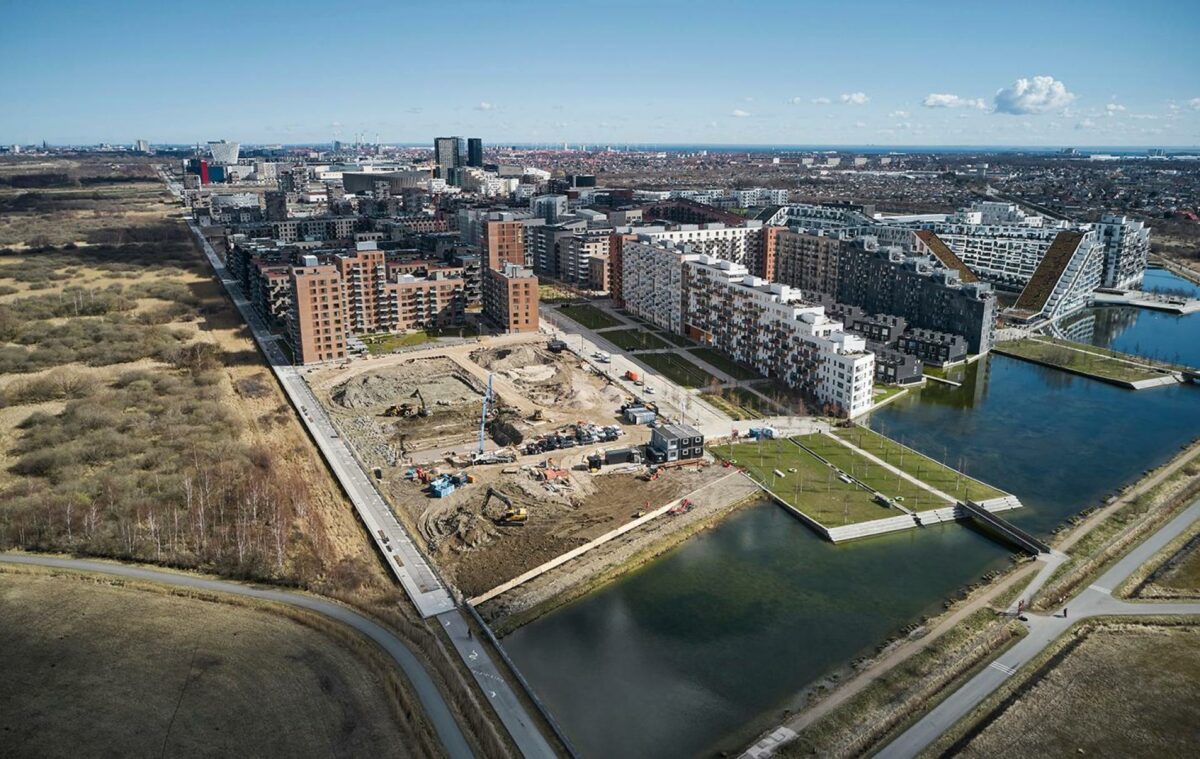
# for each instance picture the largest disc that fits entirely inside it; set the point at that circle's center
(504, 454)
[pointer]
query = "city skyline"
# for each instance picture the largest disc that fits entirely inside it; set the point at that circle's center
(1099, 74)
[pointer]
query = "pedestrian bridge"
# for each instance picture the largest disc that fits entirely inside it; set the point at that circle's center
(1005, 528)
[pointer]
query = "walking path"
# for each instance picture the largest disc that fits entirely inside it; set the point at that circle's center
(1044, 566)
(418, 677)
(422, 585)
(1094, 601)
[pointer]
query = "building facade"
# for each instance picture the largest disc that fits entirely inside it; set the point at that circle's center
(510, 298)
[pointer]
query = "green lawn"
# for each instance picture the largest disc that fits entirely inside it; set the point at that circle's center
(1085, 359)
(589, 316)
(634, 339)
(920, 466)
(677, 340)
(377, 344)
(740, 403)
(876, 477)
(725, 364)
(809, 485)
(884, 392)
(678, 369)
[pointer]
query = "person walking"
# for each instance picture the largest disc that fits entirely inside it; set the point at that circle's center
(1064, 612)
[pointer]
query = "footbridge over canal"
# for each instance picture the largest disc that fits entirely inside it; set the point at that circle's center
(1005, 528)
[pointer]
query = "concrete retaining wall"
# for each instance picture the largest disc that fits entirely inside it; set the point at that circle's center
(906, 522)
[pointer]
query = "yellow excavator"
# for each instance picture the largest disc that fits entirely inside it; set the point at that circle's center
(513, 516)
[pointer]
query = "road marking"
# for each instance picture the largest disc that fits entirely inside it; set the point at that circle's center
(1003, 668)
(1105, 591)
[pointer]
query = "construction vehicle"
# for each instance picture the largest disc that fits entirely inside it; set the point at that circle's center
(631, 375)
(683, 507)
(513, 516)
(424, 410)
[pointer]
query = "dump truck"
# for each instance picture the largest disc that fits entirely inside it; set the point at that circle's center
(632, 376)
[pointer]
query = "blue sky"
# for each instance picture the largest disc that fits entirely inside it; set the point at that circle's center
(891, 73)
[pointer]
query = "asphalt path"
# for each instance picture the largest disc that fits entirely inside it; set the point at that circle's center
(435, 706)
(1094, 601)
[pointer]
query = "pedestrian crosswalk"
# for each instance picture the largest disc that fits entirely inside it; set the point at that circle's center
(1003, 668)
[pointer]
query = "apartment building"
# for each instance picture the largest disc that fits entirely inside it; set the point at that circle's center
(652, 280)
(761, 324)
(317, 319)
(574, 253)
(502, 240)
(510, 298)
(770, 327)
(1126, 249)
(926, 293)
(321, 228)
(807, 262)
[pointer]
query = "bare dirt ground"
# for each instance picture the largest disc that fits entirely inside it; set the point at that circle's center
(113, 671)
(1121, 690)
(537, 392)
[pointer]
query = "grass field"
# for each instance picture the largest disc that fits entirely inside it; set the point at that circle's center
(678, 369)
(634, 339)
(1084, 359)
(387, 343)
(1120, 690)
(812, 487)
(589, 316)
(114, 671)
(922, 467)
(679, 341)
(740, 403)
(876, 477)
(882, 393)
(725, 364)
(548, 293)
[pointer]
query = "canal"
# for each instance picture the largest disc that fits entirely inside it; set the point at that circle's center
(701, 649)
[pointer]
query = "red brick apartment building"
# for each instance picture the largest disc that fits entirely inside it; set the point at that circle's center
(503, 243)
(510, 298)
(317, 322)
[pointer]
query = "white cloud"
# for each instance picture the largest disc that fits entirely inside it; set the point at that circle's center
(484, 106)
(1114, 108)
(945, 100)
(898, 114)
(1143, 116)
(748, 99)
(821, 101)
(1194, 103)
(1041, 94)
(854, 98)
(795, 100)
(738, 113)
(860, 124)
(1085, 124)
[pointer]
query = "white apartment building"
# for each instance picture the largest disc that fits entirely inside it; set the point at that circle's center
(767, 325)
(738, 244)
(1126, 248)
(761, 324)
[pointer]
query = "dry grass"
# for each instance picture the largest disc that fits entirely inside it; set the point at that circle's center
(124, 672)
(1114, 690)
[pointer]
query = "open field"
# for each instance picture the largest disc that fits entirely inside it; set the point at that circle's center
(808, 484)
(588, 315)
(550, 293)
(922, 467)
(678, 369)
(1179, 577)
(127, 672)
(876, 477)
(1114, 689)
(724, 363)
(131, 389)
(634, 339)
(1083, 359)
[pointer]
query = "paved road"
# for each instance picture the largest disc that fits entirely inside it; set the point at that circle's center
(422, 684)
(1096, 600)
(422, 585)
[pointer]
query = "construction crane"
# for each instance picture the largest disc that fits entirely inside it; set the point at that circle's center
(487, 398)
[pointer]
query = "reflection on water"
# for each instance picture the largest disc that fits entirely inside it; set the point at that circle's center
(702, 648)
